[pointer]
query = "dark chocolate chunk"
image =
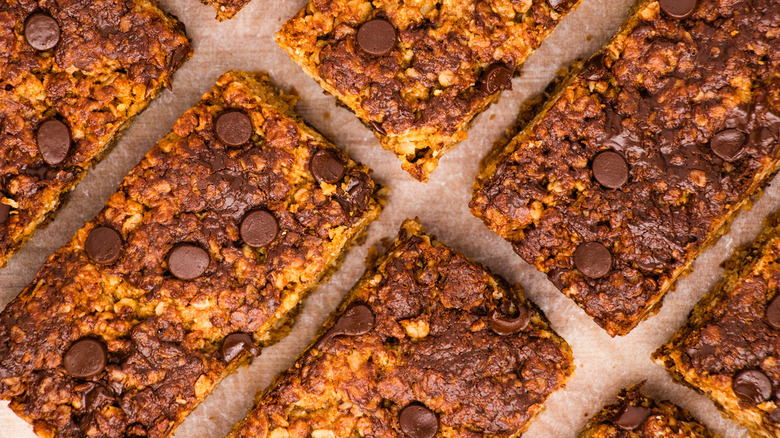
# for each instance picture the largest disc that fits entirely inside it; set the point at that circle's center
(593, 259)
(103, 245)
(378, 127)
(594, 69)
(610, 169)
(85, 358)
(377, 37)
(53, 141)
(234, 128)
(97, 397)
(187, 261)
(417, 421)
(41, 31)
(326, 167)
(773, 313)
(508, 325)
(631, 417)
(237, 343)
(495, 78)
(356, 321)
(259, 228)
(5, 210)
(752, 386)
(728, 144)
(678, 9)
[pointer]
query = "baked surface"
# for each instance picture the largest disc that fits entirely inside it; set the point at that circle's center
(636, 416)
(430, 343)
(691, 111)
(113, 57)
(163, 337)
(731, 331)
(226, 8)
(420, 97)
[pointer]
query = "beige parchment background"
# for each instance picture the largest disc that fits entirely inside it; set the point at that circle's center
(604, 365)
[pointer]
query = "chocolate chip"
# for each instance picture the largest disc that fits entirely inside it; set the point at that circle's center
(495, 78)
(259, 228)
(631, 417)
(417, 421)
(727, 144)
(378, 127)
(593, 259)
(773, 313)
(594, 69)
(187, 261)
(234, 128)
(761, 137)
(5, 211)
(752, 386)
(103, 245)
(326, 167)
(508, 325)
(53, 141)
(85, 358)
(558, 4)
(610, 169)
(678, 9)
(377, 37)
(97, 397)
(41, 31)
(237, 343)
(356, 321)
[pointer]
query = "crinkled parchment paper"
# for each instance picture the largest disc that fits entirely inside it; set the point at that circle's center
(604, 365)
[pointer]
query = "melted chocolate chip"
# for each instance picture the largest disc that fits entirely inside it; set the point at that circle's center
(593, 259)
(53, 141)
(508, 325)
(326, 167)
(377, 37)
(97, 397)
(773, 313)
(378, 127)
(631, 417)
(234, 128)
(259, 228)
(594, 69)
(356, 321)
(497, 77)
(752, 386)
(678, 9)
(85, 358)
(5, 211)
(41, 31)
(417, 421)
(728, 144)
(237, 343)
(103, 245)
(610, 169)
(187, 261)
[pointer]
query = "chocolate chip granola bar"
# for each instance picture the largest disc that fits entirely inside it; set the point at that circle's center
(199, 259)
(428, 343)
(728, 349)
(417, 73)
(643, 156)
(72, 76)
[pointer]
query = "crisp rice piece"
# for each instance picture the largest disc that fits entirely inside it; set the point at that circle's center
(226, 9)
(637, 416)
(427, 342)
(418, 72)
(73, 74)
(201, 256)
(643, 156)
(728, 348)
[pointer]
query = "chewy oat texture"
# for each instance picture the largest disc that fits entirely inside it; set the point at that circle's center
(730, 347)
(226, 8)
(643, 156)
(198, 259)
(428, 343)
(72, 76)
(636, 416)
(418, 72)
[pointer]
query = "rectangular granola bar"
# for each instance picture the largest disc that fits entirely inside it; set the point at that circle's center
(418, 72)
(728, 349)
(72, 76)
(643, 156)
(199, 258)
(637, 416)
(427, 343)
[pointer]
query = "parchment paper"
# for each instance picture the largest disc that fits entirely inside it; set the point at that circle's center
(604, 365)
